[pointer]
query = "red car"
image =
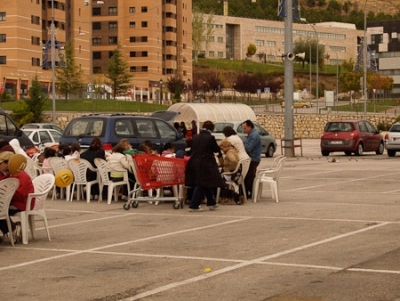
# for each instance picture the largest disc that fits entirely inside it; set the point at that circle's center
(351, 136)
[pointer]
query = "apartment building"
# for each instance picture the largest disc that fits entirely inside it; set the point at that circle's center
(231, 36)
(155, 37)
(383, 39)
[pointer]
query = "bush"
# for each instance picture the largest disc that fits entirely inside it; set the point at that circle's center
(383, 126)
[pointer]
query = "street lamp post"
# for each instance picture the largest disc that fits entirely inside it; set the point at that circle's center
(53, 62)
(365, 61)
(309, 45)
(234, 91)
(204, 91)
(161, 93)
(317, 63)
(337, 78)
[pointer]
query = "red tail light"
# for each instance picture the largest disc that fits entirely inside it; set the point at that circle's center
(107, 147)
(386, 137)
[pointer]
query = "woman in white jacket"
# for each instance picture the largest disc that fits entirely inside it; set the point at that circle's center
(236, 142)
(120, 164)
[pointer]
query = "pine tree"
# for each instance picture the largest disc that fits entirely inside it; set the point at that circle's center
(31, 109)
(117, 73)
(69, 77)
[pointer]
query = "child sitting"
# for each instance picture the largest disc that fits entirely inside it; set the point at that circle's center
(229, 164)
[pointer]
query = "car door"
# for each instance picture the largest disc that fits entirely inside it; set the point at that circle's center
(168, 133)
(365, 135)
(374, 138)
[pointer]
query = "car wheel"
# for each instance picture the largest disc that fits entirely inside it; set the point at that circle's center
(270, 151)
(360, 149)
(391, 153)
(347, 153)
(325, 153)
(381, 149)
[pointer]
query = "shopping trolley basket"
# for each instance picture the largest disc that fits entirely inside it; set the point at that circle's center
(155, 173)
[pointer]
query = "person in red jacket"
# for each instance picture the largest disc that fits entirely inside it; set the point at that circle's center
(18, 202)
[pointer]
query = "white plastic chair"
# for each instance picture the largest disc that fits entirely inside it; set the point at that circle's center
(271, 176)
(56, 164)
(32, 168)
(42, 184)
(244, 165)
(7, 190)
(103, 169)
(79, 167)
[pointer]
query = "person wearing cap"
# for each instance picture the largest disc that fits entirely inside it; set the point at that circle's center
(18, 201)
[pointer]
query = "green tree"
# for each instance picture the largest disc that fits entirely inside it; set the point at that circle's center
(209, 30)
(197, 31)
(31, 109)
(69, 77)
(117, 73)
(251, 49)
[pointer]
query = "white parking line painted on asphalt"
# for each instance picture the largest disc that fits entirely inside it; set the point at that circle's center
(120, 244)
(244, 264)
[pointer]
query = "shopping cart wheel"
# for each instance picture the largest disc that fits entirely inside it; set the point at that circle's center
(135, 204)
(127, 206)
(176, 205)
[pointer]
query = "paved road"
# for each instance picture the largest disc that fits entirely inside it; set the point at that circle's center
(333, 236)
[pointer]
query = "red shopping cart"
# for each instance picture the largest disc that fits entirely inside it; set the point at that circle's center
(153, 174)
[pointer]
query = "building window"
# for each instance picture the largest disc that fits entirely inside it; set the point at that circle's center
(145, 68)
(211, 39)
(35, 40)
(2, 38)
(110, 54)
(96, 25)
(3, 60)
(132, 69)
(97, 55)
(144, 24)
(132, 54)
(211, 54)
(132, 24)
(35, 20)
(112, 40)
(220, 54)
(96, 41)
(144, 54)
(132, 39)
(184, 46)
(112, 11)
(144, 39)
(259, 42)
(2, 16)
(271, 43)
(112, 25)
(220, 39)
(96, 11)
(97, 70)
(144, 9)
(35, 61)
(132, 10)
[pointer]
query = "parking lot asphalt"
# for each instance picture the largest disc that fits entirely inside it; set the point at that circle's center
(333, 236)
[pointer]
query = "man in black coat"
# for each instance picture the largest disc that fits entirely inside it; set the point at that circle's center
(202, 171)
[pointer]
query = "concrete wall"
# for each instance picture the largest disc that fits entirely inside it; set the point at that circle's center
(307, 126)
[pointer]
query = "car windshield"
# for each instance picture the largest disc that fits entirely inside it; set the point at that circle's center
(219, 127)
(395, 128)
(86, 127)
(339, 127)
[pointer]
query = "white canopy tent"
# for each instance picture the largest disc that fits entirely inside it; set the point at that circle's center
(215, 112)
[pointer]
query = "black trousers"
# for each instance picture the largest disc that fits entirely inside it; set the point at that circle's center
(248, 181)
(3, 222)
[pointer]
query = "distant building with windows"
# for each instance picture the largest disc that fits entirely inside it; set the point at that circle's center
(155, 36)
(383, 38)
(232, 35)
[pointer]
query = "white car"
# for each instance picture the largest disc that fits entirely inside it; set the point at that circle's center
(392, 140)
(43, 137)
(41, 126)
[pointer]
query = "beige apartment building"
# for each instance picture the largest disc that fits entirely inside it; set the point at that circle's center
(155, 37)
(231, 36)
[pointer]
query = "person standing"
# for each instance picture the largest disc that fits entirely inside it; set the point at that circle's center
(202, 170)
(194, 128)
(253, 147)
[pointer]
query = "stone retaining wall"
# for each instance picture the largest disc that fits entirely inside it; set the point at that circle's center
(306, 126)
